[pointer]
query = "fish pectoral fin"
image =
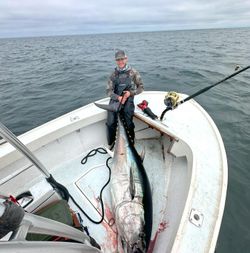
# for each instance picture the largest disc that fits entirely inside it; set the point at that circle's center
(132, 185)
(142, 155)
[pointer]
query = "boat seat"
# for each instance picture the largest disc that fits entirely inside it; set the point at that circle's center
(17, 225)
(40, 225)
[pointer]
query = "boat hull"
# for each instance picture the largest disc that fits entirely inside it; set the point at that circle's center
(185, 162)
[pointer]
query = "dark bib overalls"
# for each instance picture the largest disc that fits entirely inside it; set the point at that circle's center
(122, 82)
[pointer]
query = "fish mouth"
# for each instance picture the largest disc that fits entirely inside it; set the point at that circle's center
(137, 248)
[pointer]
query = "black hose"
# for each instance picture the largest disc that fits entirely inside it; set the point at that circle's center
(101, 201)
(63, 191)
(92, 153)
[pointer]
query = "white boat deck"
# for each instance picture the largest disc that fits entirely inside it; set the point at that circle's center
(85, 182)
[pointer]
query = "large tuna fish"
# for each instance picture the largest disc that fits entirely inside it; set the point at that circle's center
(131, 194)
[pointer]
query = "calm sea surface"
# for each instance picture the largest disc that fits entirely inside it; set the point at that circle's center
(43, 78)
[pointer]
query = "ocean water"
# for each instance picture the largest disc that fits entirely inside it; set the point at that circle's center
(44, 77)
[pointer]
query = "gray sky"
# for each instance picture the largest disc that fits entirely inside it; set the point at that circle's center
(59, 17)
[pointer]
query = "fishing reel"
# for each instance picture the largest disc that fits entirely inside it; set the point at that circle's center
(171, 99)
(171, 102)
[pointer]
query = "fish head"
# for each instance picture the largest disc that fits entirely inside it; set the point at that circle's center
(131, 227)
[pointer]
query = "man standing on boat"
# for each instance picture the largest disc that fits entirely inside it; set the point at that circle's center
(124, 83)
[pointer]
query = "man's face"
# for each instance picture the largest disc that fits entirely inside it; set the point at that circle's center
(121, 63)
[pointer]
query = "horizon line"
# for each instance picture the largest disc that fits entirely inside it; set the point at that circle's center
(107, 33)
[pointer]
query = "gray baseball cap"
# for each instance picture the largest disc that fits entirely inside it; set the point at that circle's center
(120, 54)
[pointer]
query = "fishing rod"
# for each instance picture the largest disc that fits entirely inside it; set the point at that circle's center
(170, 107)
